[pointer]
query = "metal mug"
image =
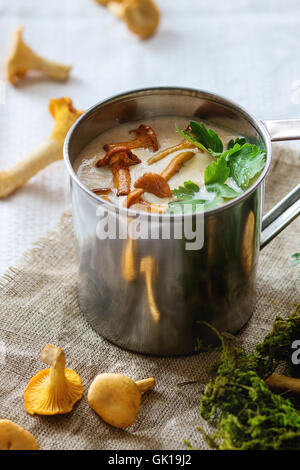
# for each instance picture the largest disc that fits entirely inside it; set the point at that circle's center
(149, 295)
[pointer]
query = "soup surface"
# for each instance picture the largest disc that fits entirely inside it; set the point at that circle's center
(184, 168)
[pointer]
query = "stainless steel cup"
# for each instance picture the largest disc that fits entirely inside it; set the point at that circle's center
(149, 295)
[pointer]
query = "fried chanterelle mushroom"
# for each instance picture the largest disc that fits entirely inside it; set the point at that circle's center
(50, 151)
(155, 184)
(56, 390)
(22, 59)
(145, 138)
(118, 159)
(13, 437)
(141, 16)
(117, 399)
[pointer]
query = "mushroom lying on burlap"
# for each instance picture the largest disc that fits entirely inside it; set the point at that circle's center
(117, 399)
(141, 16)
(282, 383)
(50, 151)
(119, 159)
(13, 437)
(53, 391)
(22, 59)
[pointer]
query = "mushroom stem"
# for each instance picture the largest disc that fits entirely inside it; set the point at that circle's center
(146, 384)
(22, 59)
(119, 159)
(133, 197)
(24, 170)
(116, 8)
(185, 145)
(50, 151)
(122, 180)
(153, 208)
(56, 359)
(52, 69)
(176, 164)
(53, 391)
(283, 383)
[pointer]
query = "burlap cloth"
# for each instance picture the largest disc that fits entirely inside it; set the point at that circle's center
(38, 305)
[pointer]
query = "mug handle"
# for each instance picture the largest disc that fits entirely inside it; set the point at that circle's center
(280, 216)
(289, 207)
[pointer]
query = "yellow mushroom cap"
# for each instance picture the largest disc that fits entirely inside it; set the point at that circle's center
(65, 115)
(142, 17)
(13, 437)
(115, 398)
(55, 390)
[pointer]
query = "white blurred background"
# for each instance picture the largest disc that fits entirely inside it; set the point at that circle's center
(247, 50)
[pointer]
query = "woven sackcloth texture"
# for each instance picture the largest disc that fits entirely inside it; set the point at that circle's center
(38, 305)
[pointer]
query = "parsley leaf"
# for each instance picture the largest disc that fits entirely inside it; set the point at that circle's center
(222, 190)
(241, 161)
(207, 137)
(239, 140)
(204, 138)
(187, 201)
(217, 172)
(245, 162)
(186, 206)
(188, 189)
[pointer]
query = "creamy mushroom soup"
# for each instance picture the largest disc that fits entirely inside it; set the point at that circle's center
(135, 165)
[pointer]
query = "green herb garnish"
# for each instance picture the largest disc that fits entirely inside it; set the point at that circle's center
(222, 190)
(239, 140)
(241, 161)
(217, 172)
(245, 163)
(188, 199)
(186, 191)
(204, 138)
(249, 415)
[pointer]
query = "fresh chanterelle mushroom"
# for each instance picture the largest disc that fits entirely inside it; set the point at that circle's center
(117, 399)
(13, 437)
(56, 390)
(50, 151)
(141, 16)
(282, 383)
(22, 59)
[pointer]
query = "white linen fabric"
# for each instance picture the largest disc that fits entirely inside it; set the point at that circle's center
(244, 49)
